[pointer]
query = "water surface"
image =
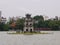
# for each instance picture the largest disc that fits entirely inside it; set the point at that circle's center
(38, 39)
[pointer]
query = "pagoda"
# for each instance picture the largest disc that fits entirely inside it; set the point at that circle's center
(28, 24)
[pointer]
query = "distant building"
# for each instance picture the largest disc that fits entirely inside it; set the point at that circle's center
(0, 13)
(51, 18)
(0, 16)
(59, 18)
(45, 17)
(56, 17)
(14, 19)
(2, 19)
(28, 25)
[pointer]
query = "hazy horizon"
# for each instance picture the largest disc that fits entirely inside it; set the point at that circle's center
(10, 8)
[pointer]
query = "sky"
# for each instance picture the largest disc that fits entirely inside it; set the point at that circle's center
(12, 8)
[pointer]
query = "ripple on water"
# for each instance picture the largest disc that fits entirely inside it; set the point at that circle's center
(39, 39)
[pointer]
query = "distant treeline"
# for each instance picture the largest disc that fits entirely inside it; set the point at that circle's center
(39, 22)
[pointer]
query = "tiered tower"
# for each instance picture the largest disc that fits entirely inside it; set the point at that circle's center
(0, 16)
(28, 25)
(0, 13)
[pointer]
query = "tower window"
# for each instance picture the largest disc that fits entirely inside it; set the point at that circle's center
(26, 29)
(27, 24)
(30, 24)
(30, 30)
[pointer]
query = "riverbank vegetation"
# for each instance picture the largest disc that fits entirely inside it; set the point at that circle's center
(39, 22)
(28, 33)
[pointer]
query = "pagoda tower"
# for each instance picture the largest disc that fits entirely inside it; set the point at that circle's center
(28, 24)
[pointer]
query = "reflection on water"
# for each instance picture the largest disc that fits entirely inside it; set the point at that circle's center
(38, 39)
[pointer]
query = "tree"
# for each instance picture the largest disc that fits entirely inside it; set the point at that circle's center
(41, 17)
(20, 24)
(38, 17)
(39, 20)
(4, 27)
(54, 25)
(1, 26)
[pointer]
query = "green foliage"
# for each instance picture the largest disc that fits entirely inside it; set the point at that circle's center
(53, 24)
(1, 26)
(20, 24)
(4, 27)
(38, 17)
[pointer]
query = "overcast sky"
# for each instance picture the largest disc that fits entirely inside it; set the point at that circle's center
(11, 8)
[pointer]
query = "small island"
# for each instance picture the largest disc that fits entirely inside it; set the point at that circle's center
(28, 27)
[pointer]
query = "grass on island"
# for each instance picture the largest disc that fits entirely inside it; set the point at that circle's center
(29, 33)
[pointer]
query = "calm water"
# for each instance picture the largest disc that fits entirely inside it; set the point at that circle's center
(38, 39)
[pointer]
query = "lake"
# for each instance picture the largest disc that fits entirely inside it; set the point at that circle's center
(37, 39)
